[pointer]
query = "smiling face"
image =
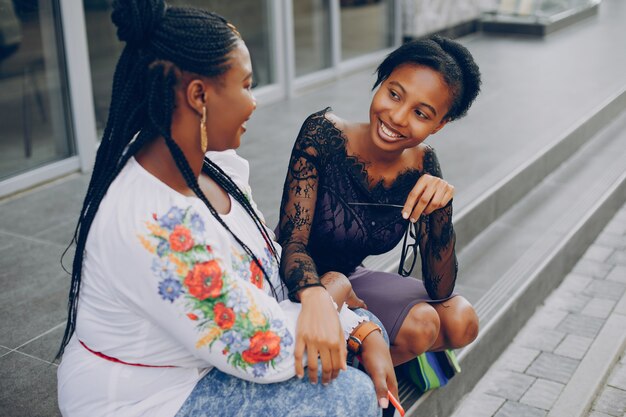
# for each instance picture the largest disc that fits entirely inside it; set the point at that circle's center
(231, 103)
(407, 107)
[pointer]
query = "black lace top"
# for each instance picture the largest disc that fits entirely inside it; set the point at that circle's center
(320, 230)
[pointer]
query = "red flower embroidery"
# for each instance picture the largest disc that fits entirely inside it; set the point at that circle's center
(256, 275)
(180, 239)
(204, 280)
(192, 316)
(264, 346)
(224, 316)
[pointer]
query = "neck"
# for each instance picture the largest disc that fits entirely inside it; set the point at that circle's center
(368, 151)
(157, 159)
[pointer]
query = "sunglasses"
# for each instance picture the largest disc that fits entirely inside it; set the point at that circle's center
(410, 242)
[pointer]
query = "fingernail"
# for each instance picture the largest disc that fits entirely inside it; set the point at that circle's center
(413, 220)
(383, 402)
(299, 376)
(405, 215)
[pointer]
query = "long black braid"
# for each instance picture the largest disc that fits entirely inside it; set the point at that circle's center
(161, 42)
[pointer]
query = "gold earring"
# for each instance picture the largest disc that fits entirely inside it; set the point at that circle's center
(204, 141)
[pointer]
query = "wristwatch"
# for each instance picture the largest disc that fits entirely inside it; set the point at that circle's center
(359, 334)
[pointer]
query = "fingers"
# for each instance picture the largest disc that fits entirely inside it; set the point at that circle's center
(336, 364)
(327, 366)
(422, 203)
(392, 386)
(429, 194)
(298, 354)
(312, 354)
(355, 302)
(413, 197)
(437, 200)
(380, 385)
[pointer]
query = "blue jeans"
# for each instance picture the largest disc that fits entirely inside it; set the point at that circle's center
(218, 394)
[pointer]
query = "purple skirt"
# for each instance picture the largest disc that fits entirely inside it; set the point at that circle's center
(390, 296)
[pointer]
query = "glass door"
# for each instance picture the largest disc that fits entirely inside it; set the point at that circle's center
(34, 110)
(253, 19)
(312, 36)
(366, 26)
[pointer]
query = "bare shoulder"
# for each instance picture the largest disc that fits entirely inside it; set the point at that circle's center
(336, 120)
(419, 154)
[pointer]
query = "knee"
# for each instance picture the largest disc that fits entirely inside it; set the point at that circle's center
(421, 328)
(337, 285)
(462, 327)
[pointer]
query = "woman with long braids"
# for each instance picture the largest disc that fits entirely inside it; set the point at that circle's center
(352, 190)
(174, 303)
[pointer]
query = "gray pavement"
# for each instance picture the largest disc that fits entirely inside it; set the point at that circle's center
(537, 374)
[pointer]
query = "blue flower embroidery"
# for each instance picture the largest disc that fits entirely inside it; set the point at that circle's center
(197, 225)
(259, 369)
(163, 248)
(172, 218)
(286, 340)
(170, 289)
(235, 342)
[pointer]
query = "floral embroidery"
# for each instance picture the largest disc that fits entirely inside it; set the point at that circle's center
(256, 275)
(224, 316)
(205, 280)
(189, 272)
(180, 239)
(170, 289)
(250, 270)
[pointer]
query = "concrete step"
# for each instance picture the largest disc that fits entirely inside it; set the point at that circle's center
(522, 255)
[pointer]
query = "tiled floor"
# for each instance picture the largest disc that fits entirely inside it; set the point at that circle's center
(533, 371)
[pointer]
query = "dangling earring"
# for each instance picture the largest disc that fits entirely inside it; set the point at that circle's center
(204, 141)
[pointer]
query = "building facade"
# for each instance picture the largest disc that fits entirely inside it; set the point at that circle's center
(57, 59)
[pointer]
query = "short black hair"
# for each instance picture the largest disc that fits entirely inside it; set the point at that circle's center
(449, 58)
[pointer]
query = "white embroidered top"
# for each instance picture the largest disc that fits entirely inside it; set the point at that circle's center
(165, 285)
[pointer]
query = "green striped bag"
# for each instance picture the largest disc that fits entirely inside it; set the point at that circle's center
(432, 370)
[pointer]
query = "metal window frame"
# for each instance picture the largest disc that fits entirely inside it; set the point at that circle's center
(81, 117)
(297, 85)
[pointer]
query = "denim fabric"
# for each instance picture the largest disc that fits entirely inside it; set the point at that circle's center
(222, 395)
(218, 394)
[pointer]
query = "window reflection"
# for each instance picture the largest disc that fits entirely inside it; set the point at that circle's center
(33, 105)
(252, 18)
(311, 23)
(366, 26)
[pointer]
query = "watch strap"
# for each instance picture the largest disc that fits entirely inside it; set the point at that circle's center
(358, 335)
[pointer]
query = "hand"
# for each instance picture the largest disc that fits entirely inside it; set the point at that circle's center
(354, 302)
(319, 332)
(429, 194)
(340, 289)
(376, 359)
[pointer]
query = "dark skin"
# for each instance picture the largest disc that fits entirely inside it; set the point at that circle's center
(410, 105)
(224, 130)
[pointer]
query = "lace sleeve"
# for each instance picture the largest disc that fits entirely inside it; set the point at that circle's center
(298, 208)
(437, 241)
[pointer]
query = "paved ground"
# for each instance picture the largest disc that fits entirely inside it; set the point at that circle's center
(534, 370)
